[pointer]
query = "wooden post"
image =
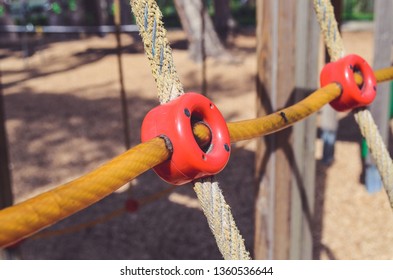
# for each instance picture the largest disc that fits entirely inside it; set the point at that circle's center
(123, 96)
(6, 198)
(5, 177)
(383, 38)
(303, 186)
(285, 164)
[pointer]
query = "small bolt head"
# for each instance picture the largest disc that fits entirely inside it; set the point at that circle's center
(187, 112)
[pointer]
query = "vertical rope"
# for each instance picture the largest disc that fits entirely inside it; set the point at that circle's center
(377, 148)
(159, 53)
(367, 126)
(329, 28)
(220, 219)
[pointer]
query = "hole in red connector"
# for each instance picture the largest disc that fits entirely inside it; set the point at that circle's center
(356, 70)
(205, 146)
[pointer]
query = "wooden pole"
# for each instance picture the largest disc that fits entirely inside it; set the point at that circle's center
(6, 198)
(383, 38)
(123, 97)
(203, 49)
(303, 169)
(285, 165)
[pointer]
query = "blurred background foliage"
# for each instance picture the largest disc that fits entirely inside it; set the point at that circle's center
(79, 12)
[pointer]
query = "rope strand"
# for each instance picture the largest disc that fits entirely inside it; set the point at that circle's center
(149, 19)
(220, 220)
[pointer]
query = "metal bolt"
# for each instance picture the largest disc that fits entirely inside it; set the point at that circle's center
(226, 146)
(187, 112)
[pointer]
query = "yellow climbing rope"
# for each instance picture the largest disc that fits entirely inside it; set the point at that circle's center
(26, 218)
(248, 129)
(22, 220)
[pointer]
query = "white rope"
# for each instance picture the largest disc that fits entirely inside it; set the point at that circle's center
(159, 53)
(367, 126)
(220, 219)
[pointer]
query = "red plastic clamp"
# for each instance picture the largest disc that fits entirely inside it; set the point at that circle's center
(174, 121)
(341, 71)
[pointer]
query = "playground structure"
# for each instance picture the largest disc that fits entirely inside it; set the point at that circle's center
(279, 117)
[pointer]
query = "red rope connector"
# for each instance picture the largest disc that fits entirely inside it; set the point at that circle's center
(352, 95)
(174, 122)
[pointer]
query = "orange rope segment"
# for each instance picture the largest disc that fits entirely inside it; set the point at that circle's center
(248, 129)
(26, 218)
(244, 130)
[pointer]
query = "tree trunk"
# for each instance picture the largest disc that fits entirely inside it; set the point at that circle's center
(223, 20)
(196, 21)
(95, 14)
(125, 12)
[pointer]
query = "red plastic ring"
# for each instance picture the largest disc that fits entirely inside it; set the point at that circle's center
(175, 120)
(341, 71)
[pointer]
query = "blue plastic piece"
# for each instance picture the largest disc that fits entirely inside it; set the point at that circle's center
(328, 138)
(372, 179)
